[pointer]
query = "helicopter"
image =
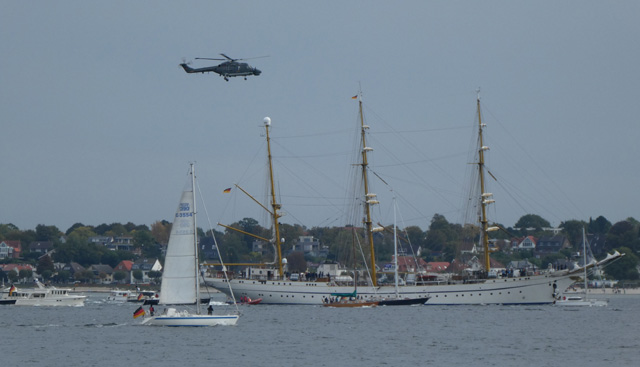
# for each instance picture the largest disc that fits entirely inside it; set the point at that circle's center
(230, 68)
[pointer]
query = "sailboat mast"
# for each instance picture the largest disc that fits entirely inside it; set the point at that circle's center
(584, 254)
(275, 206)
(369, 198)
(195, 237)
(484, 197)
(395, 249)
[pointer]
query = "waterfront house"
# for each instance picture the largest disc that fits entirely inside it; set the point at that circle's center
(103, 274)
(526, 243)
(125, 267)
(10, 249)
(41, 247)
(551, 244)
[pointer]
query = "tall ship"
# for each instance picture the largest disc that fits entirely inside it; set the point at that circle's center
(273, 287)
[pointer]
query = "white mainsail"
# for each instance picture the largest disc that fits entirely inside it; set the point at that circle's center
(179, 276)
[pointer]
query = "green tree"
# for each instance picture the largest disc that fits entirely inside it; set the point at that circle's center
(626, 268)
(116, 230)
(160, 230)
(45, 263)
(290, 233)
(7, 231)
(437, 235)
(119, 276)
(25, 274)
(622, 234)
(143, 240)
(47, 233)
(13, 276)
(155, 275)
(573, 230)
(62, 276)
(46, 275)
(84, 276)
(599, 226)
(73, 227)
(416, 236)
(111, 258)
(138, 275)
(532, 221)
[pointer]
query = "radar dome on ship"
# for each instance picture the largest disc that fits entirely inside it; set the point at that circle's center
(267, 121)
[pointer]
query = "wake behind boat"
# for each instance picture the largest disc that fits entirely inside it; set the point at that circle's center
(41, 296)
(180, 278)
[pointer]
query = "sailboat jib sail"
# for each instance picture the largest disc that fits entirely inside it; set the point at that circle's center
(179, 274)
(180, 277)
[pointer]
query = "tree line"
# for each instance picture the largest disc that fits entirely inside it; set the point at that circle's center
(442, 241)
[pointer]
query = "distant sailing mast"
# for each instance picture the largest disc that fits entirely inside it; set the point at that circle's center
(274, 205)
(485, 197)
(274, 212)
(370, 198)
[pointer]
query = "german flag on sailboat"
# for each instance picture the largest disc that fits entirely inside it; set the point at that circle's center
(139, 312)
(12, 289)
(140, 295)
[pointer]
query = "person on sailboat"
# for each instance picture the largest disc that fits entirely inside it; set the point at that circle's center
(152, 311)
(210, 310)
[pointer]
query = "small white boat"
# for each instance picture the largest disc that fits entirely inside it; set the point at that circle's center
(180, 278)
(117, 295)
(572, 300)
(173, 317)
(577, 301)
(145, 297)
(41, 296)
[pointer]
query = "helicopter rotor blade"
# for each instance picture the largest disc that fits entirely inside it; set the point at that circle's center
(257, 57)
(246, 58)
(206, 58)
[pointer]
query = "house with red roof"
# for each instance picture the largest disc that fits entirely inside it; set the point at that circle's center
(16, 268)
(526, 243)
(437, 266)
(125, 266)
(410, 264)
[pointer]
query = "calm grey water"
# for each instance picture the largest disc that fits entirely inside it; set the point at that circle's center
(103, 334)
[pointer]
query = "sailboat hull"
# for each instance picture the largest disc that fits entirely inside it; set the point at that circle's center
(537, 289)
(581, 302)
(173, 318)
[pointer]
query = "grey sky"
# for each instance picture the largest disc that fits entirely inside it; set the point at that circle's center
(99, 122)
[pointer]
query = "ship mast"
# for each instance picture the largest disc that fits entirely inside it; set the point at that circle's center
(369, 197)
(274, 205)
(195, 236)
(485, 198)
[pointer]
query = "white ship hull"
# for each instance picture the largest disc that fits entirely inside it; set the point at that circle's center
(537, 289)
(176, 318)
(42, 297)
(52, 301)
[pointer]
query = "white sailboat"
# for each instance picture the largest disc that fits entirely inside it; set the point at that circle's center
(571, 300)
(398, 299)
(180, 278)
(277, 289)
